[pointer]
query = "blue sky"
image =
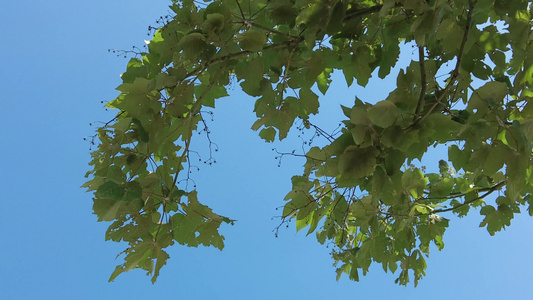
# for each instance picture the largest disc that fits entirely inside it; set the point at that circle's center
(56, 70)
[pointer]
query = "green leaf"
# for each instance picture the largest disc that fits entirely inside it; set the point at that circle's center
(133, 190)
(208, 235)
(208, 93)
(268, 134)
(141, 86)
(457, 157)
(283, 12)
(316, 66)
(445, 169)
(492, 219)
(323, 81)
(118, 270)
(192, 44)
(309, 101)
(161, 257)
(214, 23)
(357, 162)
(442, 188)
(142, 133)
(106, 209)
(487, 96)
(252, 41)
(110, 190)
(516, 174)
(383, 114)
(252, 73)
(185, 229)
(414, 181)
(315, 153)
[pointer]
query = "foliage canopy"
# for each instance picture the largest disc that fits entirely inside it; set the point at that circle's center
(468, 87)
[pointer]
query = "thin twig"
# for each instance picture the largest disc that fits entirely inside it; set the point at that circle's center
(185, 151)
(190, 116)
(253, 24)
(240, 9)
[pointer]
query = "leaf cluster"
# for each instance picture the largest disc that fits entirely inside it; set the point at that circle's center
(468, 88)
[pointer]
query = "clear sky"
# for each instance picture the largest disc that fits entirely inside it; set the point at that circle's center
(54, 71)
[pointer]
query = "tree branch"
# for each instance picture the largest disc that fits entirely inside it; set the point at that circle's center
(490, 191)
(455, 72)
(240, 9)
(241, 54)
(362, 12)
